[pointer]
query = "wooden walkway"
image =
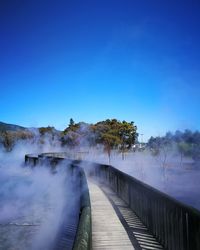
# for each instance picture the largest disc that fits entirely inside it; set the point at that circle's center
(115, 225)
(107, 230)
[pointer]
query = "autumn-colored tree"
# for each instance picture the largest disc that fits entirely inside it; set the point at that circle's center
(45, 130)
(8, 140)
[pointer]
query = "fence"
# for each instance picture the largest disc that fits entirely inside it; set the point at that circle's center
(176, 226)
(82, 237)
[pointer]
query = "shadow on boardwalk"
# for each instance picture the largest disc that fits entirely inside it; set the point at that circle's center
(114, 225)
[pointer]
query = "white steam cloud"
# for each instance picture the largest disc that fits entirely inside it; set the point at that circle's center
(32, 201)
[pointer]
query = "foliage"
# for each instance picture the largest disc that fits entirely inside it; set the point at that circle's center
(45, 130)
(10, 127)
(9, 138)
(48, 135)
(115, 134)
(77, 134)
(187, 143)
(112, 134)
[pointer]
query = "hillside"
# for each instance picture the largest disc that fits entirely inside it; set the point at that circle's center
(10, 127)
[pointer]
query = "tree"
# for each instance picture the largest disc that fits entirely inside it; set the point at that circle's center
(183, 149)
(114, 134)
(45, 130)
(71, 122)
(8, 140)
(127, 133)
(160, 148)
(77, 134)
(109, 141)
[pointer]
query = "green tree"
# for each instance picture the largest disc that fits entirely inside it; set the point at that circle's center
(114, 134)
(110, 133)
(183, 149)
(71, 122)
(128, 135)
(109, 141)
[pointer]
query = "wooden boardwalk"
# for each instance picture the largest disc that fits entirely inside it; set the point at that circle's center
(115, 225)
(107, 230)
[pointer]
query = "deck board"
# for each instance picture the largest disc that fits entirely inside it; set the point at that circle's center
(115, 225)
(107, 230)
(139, 234)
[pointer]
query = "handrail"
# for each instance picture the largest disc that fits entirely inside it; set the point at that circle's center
(84, 233)
(83, 238)
(175, 225)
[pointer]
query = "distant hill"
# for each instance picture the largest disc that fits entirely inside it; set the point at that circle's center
(10, 127)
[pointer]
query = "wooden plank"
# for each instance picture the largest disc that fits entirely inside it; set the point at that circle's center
(139, 231)
(107, 230)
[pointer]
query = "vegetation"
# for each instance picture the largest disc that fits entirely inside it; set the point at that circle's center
(187, 143)
(10, 127)
(9, 138)
(10, 135)
(112, 134)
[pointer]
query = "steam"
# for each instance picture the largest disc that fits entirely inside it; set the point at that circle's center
(169, 171)
(166, 175)
(32, 202)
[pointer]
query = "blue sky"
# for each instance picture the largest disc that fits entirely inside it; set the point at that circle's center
(134, 60)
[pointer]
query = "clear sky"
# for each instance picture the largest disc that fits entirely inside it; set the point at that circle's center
(134, 60)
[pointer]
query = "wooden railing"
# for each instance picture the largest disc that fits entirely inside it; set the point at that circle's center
(76, 176)
(175, 225)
